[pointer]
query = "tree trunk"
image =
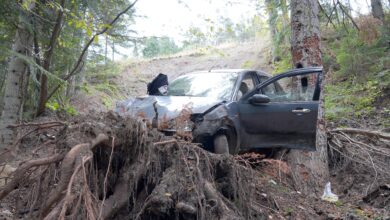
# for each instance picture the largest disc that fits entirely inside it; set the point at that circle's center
(81, 58)
(78, 79)
(48, 57)
(310, 169)
(25, 83)
(286, 21)
(377, 10)
(272, 20)
(106, 50)
(113, 50)
(135, 49)
(14, 81)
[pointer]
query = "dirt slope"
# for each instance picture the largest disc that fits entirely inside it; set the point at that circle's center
(136, 74)
(249, 55)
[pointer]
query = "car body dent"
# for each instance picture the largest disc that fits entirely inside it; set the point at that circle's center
(222, 119)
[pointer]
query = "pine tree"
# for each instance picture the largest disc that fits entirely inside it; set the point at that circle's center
(17, 70)
(310, 169)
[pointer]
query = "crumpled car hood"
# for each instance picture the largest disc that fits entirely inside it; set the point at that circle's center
(168, 107)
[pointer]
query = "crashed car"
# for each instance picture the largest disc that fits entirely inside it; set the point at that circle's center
(229, 111)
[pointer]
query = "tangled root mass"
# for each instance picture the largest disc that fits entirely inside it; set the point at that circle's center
(120, 169)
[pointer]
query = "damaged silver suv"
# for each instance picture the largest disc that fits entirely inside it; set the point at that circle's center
(229, 110)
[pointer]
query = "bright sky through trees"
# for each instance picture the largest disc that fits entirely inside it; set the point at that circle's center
(173, 17)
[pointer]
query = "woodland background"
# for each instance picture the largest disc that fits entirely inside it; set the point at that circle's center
(59, 63)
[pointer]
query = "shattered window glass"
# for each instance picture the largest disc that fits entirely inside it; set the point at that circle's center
(214, 85)
(294, 88)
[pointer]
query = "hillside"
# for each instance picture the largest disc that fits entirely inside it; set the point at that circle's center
(132, 76)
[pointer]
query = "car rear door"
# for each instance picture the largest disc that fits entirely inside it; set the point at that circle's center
(289, 119)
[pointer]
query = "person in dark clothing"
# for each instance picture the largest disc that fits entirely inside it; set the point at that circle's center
(159, 85)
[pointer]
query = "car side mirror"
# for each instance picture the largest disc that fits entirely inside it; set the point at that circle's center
(259, 99)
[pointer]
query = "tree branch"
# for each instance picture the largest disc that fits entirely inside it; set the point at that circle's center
(363, 132)
(80, 59)
(348, 15)
(326, 15)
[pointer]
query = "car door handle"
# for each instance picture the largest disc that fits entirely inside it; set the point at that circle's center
(303, 110)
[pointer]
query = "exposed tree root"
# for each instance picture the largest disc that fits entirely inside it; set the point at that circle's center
(361, 150)
(72, 159)
(140, 175)
(21, 171)
(116, 168)
(39, 125)
(362, 132)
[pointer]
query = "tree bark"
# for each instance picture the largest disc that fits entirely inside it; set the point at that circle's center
(309, 169)
(14, 81)
(377, 10)
(48, 57)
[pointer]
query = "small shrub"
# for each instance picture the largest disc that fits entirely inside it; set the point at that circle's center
(61, 106)
(358, 63)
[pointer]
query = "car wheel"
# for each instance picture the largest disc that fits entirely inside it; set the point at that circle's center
(221, 144)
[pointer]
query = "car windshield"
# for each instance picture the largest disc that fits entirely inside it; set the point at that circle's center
(214, 85)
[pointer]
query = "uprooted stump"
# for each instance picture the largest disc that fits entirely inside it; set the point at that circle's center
(120, 169)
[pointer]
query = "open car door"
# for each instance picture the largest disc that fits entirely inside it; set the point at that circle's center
(282, 111)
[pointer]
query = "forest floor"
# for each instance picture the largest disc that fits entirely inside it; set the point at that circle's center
(156, 177)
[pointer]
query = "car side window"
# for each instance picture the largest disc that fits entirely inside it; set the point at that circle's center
(292, 88)
(268, 90)
(263, 78)
(247, 84)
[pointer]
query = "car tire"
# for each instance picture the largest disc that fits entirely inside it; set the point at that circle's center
(221, 144)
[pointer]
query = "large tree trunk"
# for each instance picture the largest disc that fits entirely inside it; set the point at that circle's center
(310, 169)
(48, 57)
(14, 81)
(377, 10)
